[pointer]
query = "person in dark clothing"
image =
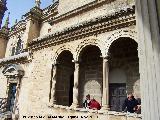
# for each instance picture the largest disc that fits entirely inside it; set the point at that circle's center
(130, 104)
(87, 101)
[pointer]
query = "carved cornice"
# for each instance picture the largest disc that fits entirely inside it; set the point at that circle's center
(20, 26)
(118, 20)
(81, 9)
(50, 11)
(17, 59)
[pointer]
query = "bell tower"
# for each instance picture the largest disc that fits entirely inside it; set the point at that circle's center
(3, 8)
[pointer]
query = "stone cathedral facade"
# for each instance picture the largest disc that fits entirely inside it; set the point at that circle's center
(53, 57)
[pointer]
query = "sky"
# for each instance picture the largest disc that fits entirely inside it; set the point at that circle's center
(17, 8)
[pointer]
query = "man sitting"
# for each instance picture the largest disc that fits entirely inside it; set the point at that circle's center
(130, 104)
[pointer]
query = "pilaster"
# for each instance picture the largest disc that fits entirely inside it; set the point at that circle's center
(54, 73)
(149, 58)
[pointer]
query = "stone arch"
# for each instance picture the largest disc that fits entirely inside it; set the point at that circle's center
(118, 34)
(86, 42)
(60, 50)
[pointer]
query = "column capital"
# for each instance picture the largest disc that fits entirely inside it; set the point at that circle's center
(106, 58)
(75, 61)
(55, 64)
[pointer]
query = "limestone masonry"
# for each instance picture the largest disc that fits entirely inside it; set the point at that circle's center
(53, 57)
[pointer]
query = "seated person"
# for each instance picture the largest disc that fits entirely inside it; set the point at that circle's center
(93, 104)
(87, 101)
(130, 104)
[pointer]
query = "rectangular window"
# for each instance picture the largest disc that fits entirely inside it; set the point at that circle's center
(11, 96)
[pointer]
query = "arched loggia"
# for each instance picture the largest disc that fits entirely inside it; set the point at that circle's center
(90, 79)
(123, 71)
(64, 79)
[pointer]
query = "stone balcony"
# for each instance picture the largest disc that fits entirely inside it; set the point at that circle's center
(68, 113)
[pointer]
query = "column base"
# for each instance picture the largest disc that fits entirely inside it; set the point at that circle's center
(105, 107)
(74, 105)
(51, 104)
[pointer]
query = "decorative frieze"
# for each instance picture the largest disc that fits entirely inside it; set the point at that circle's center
(120, 19)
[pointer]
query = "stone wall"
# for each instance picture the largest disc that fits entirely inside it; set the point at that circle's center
(104, 9)
(68, 5)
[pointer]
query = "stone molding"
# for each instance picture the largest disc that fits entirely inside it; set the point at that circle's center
(20, 26)
(118, 20)
(16, 59)
(60, 50)
(121, 33)
(50, 11)
(102, 45)
(91, 41)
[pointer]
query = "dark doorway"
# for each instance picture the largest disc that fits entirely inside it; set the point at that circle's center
(71, 90)
(117, 96)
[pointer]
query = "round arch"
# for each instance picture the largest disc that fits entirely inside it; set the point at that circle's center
(119, 34)
(94, 42)
(61, 49)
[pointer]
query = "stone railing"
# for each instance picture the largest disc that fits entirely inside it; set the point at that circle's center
(64, 112)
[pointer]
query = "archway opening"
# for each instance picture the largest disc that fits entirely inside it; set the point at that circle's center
(90, 79)
(65, 79)
(124, 75)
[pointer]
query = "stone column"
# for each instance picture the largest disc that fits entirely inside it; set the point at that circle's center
(75, 88)
(149, 58)
(105, 94)
(54, 71)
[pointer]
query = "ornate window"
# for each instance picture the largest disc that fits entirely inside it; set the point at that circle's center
(14, 74)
